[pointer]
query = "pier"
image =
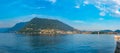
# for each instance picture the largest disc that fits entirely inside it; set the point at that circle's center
(117, 38)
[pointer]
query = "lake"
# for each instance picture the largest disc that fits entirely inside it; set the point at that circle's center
(78, 43)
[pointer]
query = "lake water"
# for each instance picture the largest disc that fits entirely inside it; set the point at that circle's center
(79, 43)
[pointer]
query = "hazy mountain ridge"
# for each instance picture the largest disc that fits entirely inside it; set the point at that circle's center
(3, 30)
(106, 31)
(17, 27)
(117, 31)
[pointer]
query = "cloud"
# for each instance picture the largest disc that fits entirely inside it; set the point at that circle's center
(102, 14)
(78, 21)
(52, 1)
(77, 6)
(110, 7)
(86, 2)
(31, 7)
(101, 19)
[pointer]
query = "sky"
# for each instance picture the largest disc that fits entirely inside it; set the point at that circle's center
(80, 14)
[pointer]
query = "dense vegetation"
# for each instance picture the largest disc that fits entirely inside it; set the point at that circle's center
(36, 24)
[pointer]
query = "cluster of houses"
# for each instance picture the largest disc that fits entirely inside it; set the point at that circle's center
(56, 31)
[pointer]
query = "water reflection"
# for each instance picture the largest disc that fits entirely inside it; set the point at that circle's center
(45, 43)
(79, 43)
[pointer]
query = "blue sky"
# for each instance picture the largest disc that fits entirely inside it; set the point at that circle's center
(81, 14)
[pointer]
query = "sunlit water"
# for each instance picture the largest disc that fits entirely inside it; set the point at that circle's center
(80, 43)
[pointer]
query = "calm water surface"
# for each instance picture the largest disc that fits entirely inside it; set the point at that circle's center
(16, 43)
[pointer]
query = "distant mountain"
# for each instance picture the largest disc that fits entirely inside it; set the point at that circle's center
(117, 31)
(36, 24)
(103, 32)
(106, 31)
(17, 27)
(3, 30)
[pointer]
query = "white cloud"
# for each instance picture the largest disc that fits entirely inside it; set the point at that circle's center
(78, 21)
(102, 14)
(31, 7)
(52, 1)
(86, 2)
(77, 6)
(117, 1)
(110, 7)
(101, 19)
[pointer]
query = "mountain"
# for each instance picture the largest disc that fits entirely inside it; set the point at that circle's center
(17, 27)
(117, 31)
(37, 24)
(106, 31)
(3, 30)
(103, 32)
